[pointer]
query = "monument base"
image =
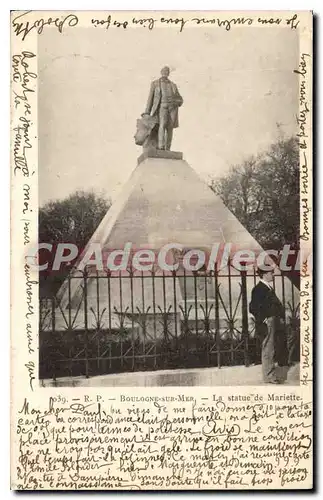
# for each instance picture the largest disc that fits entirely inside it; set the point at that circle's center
(159, 153)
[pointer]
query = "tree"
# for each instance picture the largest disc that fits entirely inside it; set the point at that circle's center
(263, 193)
(238, 189)
(71, 220)
(278, 177)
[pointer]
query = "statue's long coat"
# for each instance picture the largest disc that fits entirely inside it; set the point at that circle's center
(154, 99)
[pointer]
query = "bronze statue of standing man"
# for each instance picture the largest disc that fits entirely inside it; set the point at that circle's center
(163, 103)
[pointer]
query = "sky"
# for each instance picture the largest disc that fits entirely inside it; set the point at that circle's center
(94, 84)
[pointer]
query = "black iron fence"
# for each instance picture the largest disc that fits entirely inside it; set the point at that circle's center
(133, 321)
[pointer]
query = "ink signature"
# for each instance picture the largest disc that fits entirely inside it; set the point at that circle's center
(22, 27)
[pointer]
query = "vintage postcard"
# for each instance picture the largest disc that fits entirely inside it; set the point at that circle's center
(161, 180)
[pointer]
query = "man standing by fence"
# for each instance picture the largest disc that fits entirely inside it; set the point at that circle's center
(269, 313)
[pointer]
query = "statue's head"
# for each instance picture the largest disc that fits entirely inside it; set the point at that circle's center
(165, 72)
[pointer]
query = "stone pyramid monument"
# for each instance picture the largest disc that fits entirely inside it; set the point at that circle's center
(163, 202)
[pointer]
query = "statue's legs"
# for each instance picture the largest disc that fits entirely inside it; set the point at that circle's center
(163, 135)
(169, 137)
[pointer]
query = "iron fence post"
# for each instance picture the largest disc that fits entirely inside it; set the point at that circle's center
(53, 303)
(244, 303)
(86, 325)
(217, 317)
